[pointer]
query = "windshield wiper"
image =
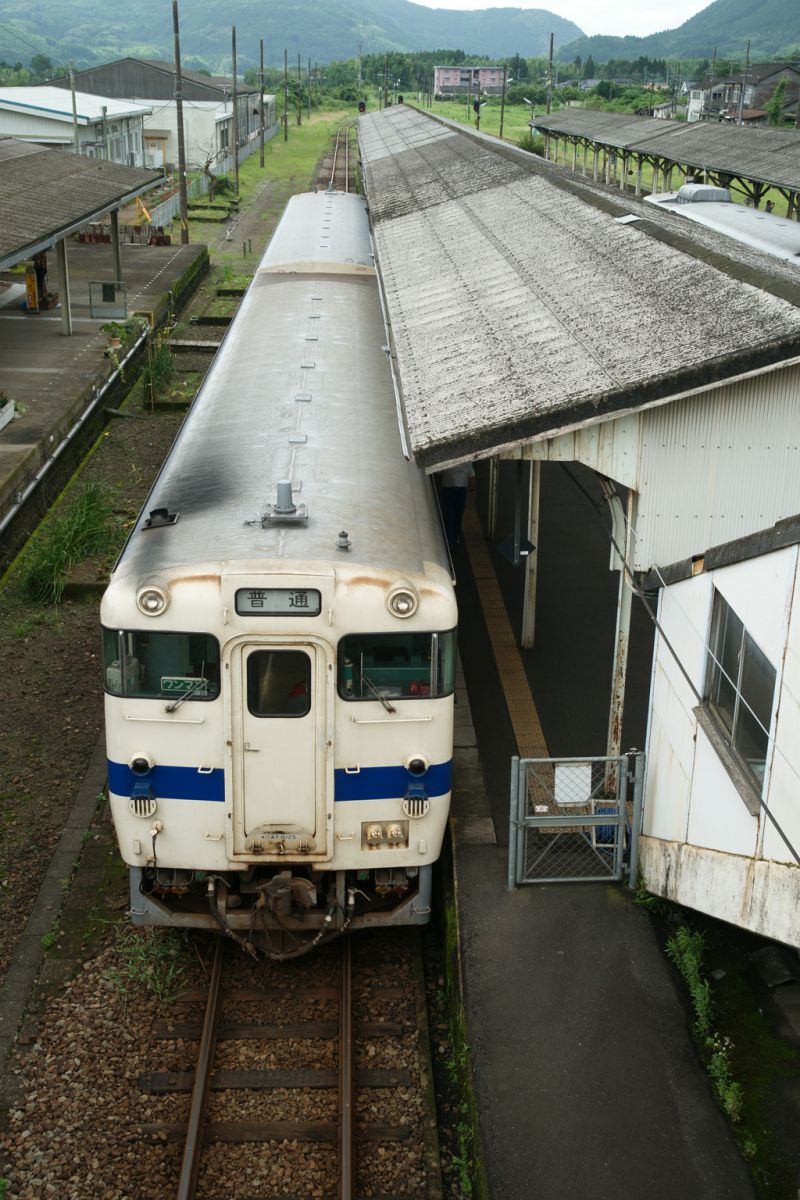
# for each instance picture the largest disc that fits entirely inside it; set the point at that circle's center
(190, 691)
(378, 694)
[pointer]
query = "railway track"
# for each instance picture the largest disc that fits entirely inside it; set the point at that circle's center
(312, 1079)
(340, 163)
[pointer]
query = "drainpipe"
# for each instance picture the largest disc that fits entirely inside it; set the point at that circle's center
(624, 605)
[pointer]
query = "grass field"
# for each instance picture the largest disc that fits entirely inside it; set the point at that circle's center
(289, 167)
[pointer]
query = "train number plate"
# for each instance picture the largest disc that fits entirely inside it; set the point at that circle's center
(278, 602)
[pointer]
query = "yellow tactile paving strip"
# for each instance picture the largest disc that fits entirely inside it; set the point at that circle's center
(519, 701)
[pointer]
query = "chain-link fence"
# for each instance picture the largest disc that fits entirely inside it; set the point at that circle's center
(571, 818)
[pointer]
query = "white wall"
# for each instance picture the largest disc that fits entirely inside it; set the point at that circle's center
(123, 135)
(702, 846)
(202, 122)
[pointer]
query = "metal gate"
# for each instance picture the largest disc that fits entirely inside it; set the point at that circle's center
(571, 819)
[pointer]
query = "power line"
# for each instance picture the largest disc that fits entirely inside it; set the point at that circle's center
(19, 37)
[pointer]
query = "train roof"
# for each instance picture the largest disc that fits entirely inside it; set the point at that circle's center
(750, 226)
(300, 389)
(320, 231)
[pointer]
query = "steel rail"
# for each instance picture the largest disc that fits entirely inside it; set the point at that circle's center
(202, 1078)
(346, 1162)
(333, 164)
(347, 161)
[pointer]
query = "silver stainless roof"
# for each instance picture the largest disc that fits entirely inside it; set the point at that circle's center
(761, 230)
(317, 230)
(300, 389)
(520, 305)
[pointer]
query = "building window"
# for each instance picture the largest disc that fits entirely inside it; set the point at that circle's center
(740, 688)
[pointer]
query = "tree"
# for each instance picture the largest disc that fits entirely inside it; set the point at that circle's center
(42, 66)
(578, 64)
(588, 68)
(774, 106)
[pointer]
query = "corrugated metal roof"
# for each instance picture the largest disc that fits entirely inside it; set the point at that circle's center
(52, 102)
(767, 155)
(519, 307)
(43, 192)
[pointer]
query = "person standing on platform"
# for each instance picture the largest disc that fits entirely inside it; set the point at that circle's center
(454, 485)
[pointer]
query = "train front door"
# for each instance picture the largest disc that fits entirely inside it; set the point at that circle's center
(280, 788)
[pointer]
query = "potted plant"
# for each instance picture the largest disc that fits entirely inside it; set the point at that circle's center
(115, 333)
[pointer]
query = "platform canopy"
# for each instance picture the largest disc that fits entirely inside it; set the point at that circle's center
(524, 301)
(771, 156)
(47, 194)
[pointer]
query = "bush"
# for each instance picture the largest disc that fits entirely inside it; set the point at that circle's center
(160, 368)
(223, 185)
(83, 530)
(532, 142)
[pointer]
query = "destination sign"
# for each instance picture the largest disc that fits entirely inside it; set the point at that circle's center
(278, 602)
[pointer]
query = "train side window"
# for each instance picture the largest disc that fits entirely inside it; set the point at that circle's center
(278, 683)
(160, 666)
(396, 666)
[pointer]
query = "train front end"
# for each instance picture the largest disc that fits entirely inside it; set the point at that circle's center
(279, 748)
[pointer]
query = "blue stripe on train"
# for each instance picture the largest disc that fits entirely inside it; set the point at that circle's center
(178, 783)
(384, 783)
(370, 783)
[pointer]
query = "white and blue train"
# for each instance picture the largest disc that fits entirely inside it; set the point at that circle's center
(279, 631)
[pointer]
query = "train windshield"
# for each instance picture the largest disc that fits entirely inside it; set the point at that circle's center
(165, 666)
(397, 666)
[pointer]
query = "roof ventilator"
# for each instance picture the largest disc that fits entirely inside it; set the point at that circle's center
(159, 517)
(284, 510)
(344, 542)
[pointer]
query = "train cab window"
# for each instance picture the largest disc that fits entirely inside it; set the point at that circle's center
(161, 666)
(397, 666)
(278, 683)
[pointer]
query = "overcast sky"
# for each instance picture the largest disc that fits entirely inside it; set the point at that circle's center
(637, 17)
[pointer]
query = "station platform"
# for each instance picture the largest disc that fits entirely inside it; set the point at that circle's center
(587, 1080)
(51, 377)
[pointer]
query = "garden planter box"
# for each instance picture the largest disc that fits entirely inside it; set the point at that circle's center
(6, 413)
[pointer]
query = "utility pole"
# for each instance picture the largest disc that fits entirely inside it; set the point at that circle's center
(385, 78)
(503, 100)
(104, 111)
(286, 95)
(550, 76)
(744, 81)
(75, 137)
(261, 102)
(299, 93)
(359, 45)
(235, 114)
(182, 199)
(309, 89)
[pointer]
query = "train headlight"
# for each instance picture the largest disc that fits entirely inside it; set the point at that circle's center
(141, 764)
(152, 600)
(373, 834)
(417, 765)
(402, 600)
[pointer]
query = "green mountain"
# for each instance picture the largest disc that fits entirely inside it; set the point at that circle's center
(94, 31)
(772, 26)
